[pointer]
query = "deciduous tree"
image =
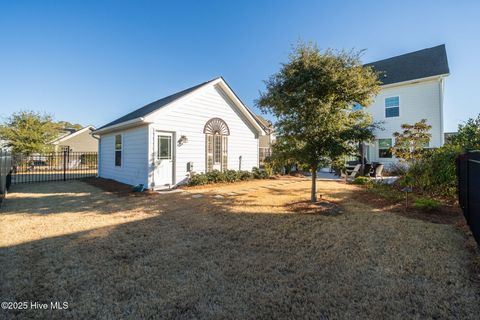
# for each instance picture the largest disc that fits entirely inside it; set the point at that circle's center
(29, 132)
(468, 136)
(410, 143)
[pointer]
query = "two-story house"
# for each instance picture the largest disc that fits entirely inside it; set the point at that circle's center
(412, 89)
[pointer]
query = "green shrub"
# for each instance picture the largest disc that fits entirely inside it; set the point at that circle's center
(435, 174)
(362, 180)
(197, 179)
(245, 175)
(216, 176)
(259, 174)
(426, 204)
(230, 176)
(268, 169)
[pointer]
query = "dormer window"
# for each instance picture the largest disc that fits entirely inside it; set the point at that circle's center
(392, 107)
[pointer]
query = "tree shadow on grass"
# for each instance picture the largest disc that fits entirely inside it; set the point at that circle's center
(201, 259)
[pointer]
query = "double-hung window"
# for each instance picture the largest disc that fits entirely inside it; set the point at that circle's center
(384, 148)
(392, 107)
(118, 150)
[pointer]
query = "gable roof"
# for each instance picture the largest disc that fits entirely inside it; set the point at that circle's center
(266, 125)
(154, 106)
(414, 65)
(140, 114)
(72, 134)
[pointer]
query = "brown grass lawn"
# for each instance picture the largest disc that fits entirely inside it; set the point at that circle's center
(255, 251)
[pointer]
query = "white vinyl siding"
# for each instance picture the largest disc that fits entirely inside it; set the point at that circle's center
(188, 117)
(417, 101)
(134, 166)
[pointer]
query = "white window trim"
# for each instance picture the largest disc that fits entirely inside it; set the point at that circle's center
(385, 107)
(115, 150)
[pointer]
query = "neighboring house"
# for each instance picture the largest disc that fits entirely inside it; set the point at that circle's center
(3, 144)
(412, 89)
(77, 140)
(448, 136)
(199, 129)
(265, 141)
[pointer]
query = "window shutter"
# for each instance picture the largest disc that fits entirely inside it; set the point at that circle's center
(209, 152)
(224, 153)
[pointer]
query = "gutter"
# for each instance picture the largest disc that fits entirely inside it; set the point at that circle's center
(440, 76)
(129, 123)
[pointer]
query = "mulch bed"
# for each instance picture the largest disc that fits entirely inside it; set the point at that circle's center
(118, 188)
(446, 214)
(321, 207)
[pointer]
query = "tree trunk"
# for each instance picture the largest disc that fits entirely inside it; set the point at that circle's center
(313, 195)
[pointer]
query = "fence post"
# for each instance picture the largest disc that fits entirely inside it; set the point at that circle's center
(64, 165)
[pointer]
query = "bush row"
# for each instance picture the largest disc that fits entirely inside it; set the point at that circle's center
(216, 176)
(435, 173)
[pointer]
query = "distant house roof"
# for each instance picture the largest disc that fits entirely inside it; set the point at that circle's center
(414, 65)
(72, 133)
(266, 125)
(151, 107)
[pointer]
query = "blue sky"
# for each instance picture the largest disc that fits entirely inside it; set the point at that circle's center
(93, 61)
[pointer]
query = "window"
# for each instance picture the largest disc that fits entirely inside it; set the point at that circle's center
(392, 107)
(164, 147)
(216, 139)
(118, 150)
(217, 149)
(384, 148)
(357, 107)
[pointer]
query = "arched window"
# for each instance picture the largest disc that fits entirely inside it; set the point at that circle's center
(216, 144)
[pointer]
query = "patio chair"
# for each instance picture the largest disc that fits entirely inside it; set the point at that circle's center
(367, 170)
(352, 174)
(377, 171)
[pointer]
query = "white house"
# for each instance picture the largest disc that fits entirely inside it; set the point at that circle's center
(412, 90)
(199, 129)
(77, 140)
(265, 142)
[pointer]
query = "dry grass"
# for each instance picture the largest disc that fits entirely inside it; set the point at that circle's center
(248, 253)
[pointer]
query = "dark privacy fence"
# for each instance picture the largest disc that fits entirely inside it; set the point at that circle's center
(468, 173)
(5, 173)
(53, 166)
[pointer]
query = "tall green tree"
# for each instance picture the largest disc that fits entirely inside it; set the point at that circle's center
(68, 125)
(410, 143)
(468, 136)
(29, 132)
(312, 97)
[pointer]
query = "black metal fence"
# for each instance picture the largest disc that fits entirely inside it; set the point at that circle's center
(468, 173)
(5, 173)
(54, 166)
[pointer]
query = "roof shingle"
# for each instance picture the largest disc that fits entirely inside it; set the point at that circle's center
(414, 65)
(151, 107)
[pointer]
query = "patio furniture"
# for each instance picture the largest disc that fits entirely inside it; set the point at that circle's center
(367, 170)
(351, 174)
(377, 171)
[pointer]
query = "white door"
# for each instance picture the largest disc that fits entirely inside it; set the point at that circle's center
(164, 154)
